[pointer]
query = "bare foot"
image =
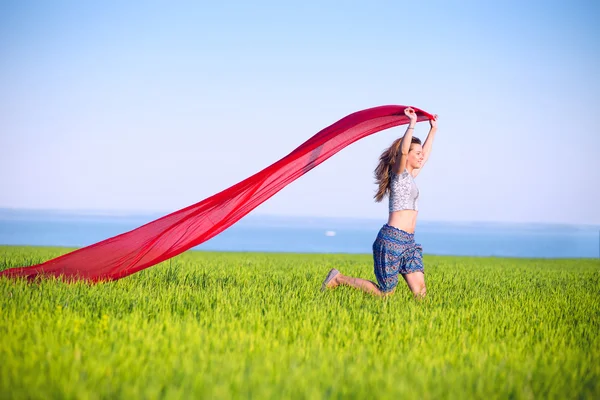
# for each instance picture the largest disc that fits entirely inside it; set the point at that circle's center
(332, 280)
(335, 282)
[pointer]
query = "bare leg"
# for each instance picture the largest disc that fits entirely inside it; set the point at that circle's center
(358, 283)
(416, 283)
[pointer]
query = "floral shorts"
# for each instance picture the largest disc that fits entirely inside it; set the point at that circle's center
(395, 252)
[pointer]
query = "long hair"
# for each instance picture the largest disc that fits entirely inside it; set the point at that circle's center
(383, 171)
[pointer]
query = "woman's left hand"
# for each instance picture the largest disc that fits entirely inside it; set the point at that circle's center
(433, 122)
(411, 114)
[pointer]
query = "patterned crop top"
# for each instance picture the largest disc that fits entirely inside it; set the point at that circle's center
(403, 192)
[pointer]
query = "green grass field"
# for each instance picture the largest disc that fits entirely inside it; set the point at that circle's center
(251, 325)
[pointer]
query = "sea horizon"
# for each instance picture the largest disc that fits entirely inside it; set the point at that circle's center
(310, 234)
(21, 212)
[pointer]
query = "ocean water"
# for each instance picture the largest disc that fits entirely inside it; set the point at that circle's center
(314, 235)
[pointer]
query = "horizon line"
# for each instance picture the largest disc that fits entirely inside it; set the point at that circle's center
(133, 213)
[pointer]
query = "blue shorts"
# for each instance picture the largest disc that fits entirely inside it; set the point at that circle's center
(395, 252)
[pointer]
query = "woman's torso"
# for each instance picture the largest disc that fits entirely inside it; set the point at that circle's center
(403, 202)
(405, 220)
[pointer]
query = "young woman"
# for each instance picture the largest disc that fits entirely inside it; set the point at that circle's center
(394, 250)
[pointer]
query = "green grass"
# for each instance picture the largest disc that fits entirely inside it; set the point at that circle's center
(237, 325)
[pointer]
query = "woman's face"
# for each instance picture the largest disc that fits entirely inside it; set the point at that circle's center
(415, 156)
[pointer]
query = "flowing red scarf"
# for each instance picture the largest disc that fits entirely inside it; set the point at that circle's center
(166, 237)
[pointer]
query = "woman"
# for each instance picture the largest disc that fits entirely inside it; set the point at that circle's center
(395, 251)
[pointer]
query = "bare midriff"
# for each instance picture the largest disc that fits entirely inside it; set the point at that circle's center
(405, 220)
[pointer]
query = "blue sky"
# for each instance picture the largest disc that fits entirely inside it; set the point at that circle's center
(154, 106)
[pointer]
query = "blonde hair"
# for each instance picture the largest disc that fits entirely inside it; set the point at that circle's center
(383, 171)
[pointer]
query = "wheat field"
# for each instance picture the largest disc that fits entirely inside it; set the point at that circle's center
(255, 325)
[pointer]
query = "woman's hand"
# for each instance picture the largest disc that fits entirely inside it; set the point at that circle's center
(433, 122)
(410, 113)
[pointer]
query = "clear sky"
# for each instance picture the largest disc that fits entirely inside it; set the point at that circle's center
(154, 106)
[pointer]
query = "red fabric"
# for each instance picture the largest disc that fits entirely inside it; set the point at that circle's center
(166, 237)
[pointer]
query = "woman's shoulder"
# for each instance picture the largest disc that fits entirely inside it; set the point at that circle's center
(402, 174)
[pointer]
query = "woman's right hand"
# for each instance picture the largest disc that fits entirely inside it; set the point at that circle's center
(410, 113)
